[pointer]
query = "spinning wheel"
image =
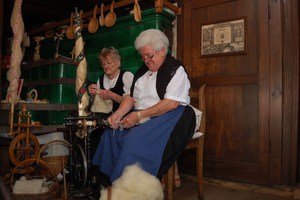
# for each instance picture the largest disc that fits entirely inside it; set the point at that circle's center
(25, 145)
(79, 162)
(21, 149)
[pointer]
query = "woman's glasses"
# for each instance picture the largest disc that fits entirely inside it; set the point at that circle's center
(147, 57)
(107, 64)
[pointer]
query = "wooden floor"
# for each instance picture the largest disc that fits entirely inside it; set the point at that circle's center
(222, 190)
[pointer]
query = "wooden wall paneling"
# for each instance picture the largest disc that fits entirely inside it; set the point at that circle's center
(263, 77)
(234, 166)
(237, 95)
(291, 53)
(275, 24)
(184, 43)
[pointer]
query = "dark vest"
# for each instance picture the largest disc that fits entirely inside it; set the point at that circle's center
(118, 88)
(164, 75)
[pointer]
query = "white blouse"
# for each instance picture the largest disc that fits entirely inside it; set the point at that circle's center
(145, 93)
(110, 83)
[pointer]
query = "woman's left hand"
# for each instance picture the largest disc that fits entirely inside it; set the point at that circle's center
(104, 94)
(130, 120)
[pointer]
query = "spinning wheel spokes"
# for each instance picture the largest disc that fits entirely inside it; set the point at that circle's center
(20, 149)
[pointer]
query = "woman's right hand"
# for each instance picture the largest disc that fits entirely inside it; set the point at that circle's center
(93, 89)
(114, 120)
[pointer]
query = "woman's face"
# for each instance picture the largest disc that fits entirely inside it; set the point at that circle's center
(110, 66)
(152, 58)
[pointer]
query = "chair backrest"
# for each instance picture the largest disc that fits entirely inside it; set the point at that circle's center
(201, 107)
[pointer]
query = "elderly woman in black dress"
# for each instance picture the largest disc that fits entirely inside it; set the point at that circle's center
(154, 123)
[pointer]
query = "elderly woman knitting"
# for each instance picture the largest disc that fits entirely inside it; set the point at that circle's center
(154, 123)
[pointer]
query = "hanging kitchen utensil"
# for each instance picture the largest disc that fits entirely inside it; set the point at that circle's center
(101, 17)
(81, 16)
(93, 24)
(70, 29)
(111, 17)
(137, 12)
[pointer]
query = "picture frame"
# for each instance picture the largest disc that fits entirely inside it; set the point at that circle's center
(223, 38)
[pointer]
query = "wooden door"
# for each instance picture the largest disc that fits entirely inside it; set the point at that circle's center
(244, 92)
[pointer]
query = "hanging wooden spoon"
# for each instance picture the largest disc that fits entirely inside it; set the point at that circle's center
(101, 17)
(93, 24)
(111, 17)
(81, 16)
(137, 12)
(70, 29)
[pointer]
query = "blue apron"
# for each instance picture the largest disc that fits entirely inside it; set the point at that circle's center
(143, 144)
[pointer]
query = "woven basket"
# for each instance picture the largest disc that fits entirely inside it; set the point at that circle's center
(57, 163)
(52, 193)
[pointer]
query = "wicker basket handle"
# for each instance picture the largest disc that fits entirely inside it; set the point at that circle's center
(48, 144)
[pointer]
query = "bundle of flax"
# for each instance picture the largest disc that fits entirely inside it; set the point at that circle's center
(81, 73)
(14, 71)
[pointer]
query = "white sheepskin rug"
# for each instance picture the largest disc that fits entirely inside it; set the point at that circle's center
(135, 184)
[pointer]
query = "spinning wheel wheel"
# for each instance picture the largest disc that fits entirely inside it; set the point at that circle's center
(21, 149)
(25, 145)
(80, 162)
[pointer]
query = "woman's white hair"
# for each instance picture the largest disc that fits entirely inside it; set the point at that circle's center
(154, 37)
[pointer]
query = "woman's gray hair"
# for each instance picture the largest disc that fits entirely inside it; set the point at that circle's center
(154, 37)
(111, 52)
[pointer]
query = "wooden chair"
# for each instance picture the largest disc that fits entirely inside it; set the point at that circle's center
(197, 144)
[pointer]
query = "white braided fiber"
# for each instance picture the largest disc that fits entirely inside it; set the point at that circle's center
(81, 72)
(14, 71)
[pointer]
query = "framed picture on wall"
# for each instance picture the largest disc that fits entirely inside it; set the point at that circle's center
(223, 38)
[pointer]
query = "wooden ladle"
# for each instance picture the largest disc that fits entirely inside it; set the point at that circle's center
(93, 24)
(101, 17)
(70, 29)
(111, 17)
(137, 12)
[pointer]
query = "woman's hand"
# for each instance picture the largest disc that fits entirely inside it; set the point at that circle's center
(131, 120)
(93, 89)
(104, 94)
(114, 120)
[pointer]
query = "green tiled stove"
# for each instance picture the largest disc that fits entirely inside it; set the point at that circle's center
(54, 80)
